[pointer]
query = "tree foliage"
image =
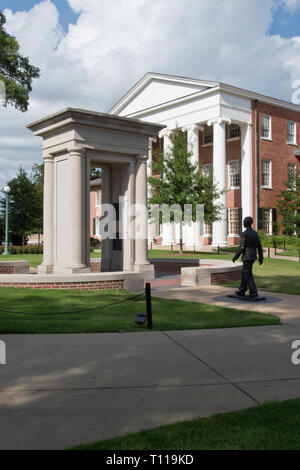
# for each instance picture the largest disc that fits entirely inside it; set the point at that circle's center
(178, 181)
(15, 70)
(289, 206)
(25, 207)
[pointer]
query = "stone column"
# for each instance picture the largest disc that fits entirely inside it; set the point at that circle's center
(246, 170)
(107, 243)
(141, 242)
(219, 172)
(128, 220)
(48, 258)
(77, 211)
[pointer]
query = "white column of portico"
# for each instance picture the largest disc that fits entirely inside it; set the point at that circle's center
(141, 242)
(48, 258)
(193, 235)
(219, 172)
(128, 217)
(77, 210)
(149, 175)
(246, 170)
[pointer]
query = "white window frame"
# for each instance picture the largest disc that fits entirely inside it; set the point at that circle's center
(269, 186)
(270, 222)
(292, 170)
(230, 173)
(294, 142)
(269, 137)
(207, 169)
(97, 226)
(237, 137)
(203, 133)
(97, 198)
(230, 232)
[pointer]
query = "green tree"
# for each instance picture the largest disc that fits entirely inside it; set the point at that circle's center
(289, 206)
(178, 181)
(95, 174)
(37, 178)
(24, 201)
(15, 70)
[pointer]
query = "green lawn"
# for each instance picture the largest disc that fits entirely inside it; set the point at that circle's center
(276, 275)
(273, 426)
(57, 311)
(34, 260)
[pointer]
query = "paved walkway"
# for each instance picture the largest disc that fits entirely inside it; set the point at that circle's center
(62, 390)
(288, 309)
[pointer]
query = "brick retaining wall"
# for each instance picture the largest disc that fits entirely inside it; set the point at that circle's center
(221, 278)
(92, 285)
(6, 270)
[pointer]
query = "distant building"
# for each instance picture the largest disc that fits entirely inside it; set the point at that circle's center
(95, 208)
(249, 141)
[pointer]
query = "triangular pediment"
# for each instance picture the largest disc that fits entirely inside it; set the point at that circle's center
(156, 89)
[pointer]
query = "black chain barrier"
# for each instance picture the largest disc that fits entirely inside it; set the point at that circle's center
(103, 307)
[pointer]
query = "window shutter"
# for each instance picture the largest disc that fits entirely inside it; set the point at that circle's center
(94, 226)
(228, 221)
(274, 215)
(260, 219)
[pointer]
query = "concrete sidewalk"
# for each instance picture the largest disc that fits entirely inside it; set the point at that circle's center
(62, 390)
(288, 308)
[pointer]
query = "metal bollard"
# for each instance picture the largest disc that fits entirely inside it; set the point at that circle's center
(149, 306)
(269, 253)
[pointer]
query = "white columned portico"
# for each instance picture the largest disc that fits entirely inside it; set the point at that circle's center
(219, 172)
(48, 259)
(246, 169)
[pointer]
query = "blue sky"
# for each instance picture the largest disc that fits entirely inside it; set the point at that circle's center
(286, 24)
(66, 14)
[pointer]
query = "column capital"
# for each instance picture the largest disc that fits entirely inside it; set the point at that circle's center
(193, 128)
(164, 133)
(79, 151)
(48, 157)
(219, 120)
(141, 158)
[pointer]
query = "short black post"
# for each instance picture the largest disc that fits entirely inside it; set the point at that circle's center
(275, 246)
(269, 253)
(149, 306)
(218, 249)
(299, 256)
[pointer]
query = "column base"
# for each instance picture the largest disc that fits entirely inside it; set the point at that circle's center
(60, 269)
(146, 269)
(45, 269)
(220, 244)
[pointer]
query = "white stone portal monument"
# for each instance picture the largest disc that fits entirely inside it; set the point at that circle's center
(75, 140)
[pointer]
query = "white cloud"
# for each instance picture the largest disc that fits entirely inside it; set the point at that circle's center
(292, 5)
(115, 42)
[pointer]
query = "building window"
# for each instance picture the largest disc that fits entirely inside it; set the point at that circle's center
(96, 226)
(266, 127)
(291, 132)
(97, 197)
(267, 221)
(207, 170)
(234, 221)
(208, 134)
(292, 173)
(233, 131)
(266, 174)
(208, 229)
(234, 174)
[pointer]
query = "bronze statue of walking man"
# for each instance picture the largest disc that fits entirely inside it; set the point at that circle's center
(250, 244)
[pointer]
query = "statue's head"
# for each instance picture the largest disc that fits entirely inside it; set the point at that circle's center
(248, 221)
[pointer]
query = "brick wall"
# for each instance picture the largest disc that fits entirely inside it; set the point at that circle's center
(6, 270)
(90, 286)
(221, 278)
(171, 267)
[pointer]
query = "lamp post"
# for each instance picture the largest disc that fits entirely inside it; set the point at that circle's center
(7, 191)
